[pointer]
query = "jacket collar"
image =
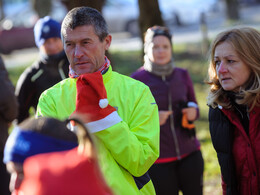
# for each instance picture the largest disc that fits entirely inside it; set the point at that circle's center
(108, 75)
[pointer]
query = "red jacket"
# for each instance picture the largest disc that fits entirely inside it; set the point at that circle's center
(245, 150)
(63, 173)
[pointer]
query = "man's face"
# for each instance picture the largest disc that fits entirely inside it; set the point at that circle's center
(85, 52)
(52, 46)
(16, 172)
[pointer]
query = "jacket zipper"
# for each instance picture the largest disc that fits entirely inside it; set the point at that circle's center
(172, 121)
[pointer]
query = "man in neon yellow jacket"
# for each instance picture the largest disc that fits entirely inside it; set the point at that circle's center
(127, 127)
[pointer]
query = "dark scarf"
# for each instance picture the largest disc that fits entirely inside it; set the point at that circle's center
(158, 70)
(240, 110)
(52, 60)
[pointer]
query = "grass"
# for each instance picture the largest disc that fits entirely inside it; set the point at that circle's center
(189, 57)
(14, 73)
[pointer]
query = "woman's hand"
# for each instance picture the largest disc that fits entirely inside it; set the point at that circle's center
(191, 113)
(163, 116)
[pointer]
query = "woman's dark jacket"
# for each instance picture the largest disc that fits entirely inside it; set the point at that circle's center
(36, 79)
(238, 149)
(222, 136)
(8, 104)
(172, 93)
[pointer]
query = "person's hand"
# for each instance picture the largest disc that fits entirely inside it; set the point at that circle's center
(190, 112)
(163, 116)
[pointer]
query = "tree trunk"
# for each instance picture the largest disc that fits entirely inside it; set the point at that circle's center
(97, 4)
(2, 10)
(232, 10)
(42, 7)
(204, 32)
(150, 15)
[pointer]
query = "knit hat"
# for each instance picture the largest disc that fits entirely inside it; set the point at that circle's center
(46, 28)
(35, 136)
(92, 101)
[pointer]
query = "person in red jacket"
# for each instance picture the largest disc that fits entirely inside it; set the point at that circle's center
(74, 171)
(31, 137)
(234, 113)
(44, 158)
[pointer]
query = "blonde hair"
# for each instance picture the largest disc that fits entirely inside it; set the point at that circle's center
(246, 43)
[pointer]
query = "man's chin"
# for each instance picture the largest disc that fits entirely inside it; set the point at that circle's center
(84, 71)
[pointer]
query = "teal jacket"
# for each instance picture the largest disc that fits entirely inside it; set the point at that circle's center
(127, 149)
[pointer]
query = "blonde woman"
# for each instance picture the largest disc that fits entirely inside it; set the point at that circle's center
(234, 111)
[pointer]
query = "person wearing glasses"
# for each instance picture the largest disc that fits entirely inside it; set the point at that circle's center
(180, 164)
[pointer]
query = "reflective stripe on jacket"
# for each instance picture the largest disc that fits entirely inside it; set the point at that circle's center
(126, 149)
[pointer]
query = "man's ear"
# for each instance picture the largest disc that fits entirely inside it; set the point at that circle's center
(107, 41)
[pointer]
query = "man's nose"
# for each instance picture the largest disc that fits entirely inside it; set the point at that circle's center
(161, 49)
(78, 52)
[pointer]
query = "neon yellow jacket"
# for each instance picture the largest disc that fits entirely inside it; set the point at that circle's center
(126, 149)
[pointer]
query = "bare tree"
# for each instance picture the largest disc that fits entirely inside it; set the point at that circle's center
(2, 15)
(42, 7)
(150, 15)
(232, 9)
